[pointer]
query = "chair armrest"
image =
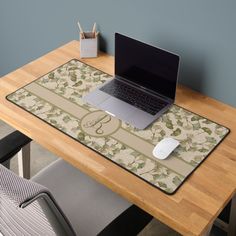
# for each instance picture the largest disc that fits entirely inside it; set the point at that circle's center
(130, 222)
(12, 144)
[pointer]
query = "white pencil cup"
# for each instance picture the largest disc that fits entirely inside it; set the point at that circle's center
(88, 45)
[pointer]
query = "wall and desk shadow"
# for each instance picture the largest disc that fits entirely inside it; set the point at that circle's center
(201, 32)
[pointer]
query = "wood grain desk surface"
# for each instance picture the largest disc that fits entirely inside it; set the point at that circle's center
(195, 205)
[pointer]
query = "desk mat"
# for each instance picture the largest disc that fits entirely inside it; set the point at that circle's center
(56, 99)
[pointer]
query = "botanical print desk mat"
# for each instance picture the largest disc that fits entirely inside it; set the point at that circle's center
(56, 99)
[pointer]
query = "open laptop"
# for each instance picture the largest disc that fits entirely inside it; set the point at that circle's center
(144, 84)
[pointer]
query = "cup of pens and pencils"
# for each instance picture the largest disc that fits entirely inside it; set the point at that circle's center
(88, 42)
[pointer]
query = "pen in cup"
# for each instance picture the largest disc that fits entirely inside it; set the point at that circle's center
(94, 30)
(81, 30)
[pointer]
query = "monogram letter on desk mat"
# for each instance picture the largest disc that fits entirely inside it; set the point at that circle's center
(56, 99)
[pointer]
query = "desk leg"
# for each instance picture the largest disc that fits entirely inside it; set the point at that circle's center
(232, 218)
(24, 161)
(208, 231)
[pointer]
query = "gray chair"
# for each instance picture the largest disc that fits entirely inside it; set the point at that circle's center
(61, 200)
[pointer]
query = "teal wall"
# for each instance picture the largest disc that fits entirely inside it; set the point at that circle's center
(202, 32)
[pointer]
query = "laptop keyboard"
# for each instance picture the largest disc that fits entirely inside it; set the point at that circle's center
(134, 96)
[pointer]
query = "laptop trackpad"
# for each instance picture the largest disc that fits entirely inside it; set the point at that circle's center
(117, 107)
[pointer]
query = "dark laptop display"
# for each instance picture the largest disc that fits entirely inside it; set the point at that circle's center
(146, 66)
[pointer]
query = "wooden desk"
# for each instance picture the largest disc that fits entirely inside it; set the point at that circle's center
(196, 204)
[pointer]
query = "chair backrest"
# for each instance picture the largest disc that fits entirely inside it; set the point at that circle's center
(27, 208)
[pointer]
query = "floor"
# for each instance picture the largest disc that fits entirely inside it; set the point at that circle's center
(40, 158)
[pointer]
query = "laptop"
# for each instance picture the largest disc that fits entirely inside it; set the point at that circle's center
(144, 85)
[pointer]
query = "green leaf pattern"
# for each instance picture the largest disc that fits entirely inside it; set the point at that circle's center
(82, 79)
(197, 135)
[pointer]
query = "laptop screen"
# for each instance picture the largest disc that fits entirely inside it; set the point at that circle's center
(145, 65)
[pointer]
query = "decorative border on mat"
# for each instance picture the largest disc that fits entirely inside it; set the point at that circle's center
(168, 193)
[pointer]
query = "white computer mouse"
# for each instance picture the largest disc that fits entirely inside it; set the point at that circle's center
(164, 148)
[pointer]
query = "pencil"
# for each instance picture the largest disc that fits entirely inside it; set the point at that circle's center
(81, 30)
(94, 30)
(94, 27)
